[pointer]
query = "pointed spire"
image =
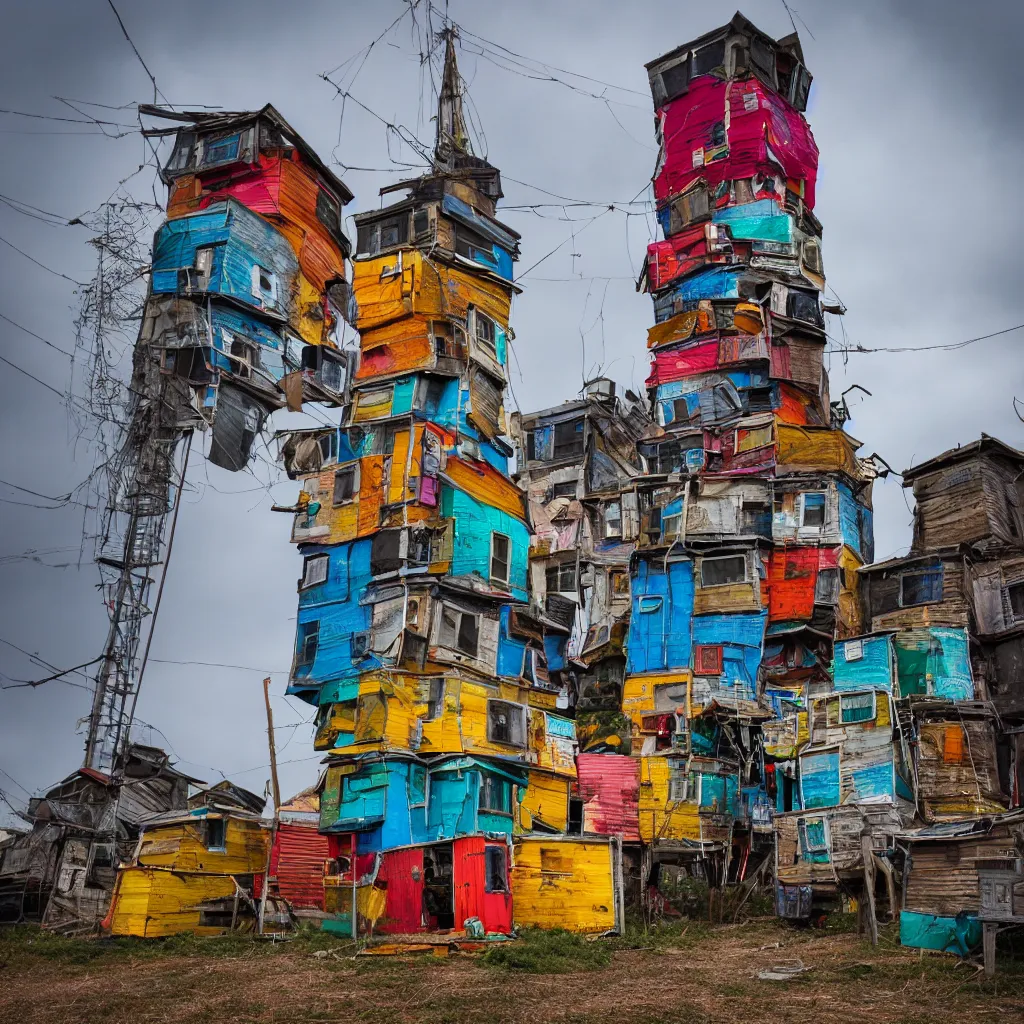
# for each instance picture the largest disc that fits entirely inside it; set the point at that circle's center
(452, 134)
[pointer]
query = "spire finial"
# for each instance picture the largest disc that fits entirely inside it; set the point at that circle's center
(452, 134)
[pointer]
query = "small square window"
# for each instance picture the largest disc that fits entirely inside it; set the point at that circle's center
(221, 151)
(856, 707)
(813, 510)
(314, 570)
(501, 549)
(496, 863)
(328, 211)
(1015, 600)
(568, 439)
(485, 332)
(678, 786)
(565, 489)
(458, 631)
(307, 641)
(345, 485)
(216, 834)
(613, 519)
(506, 723)
(826, 587)
(561, 578)
(495, 795)
(618, 583)
(204, 262)
(853, 650)
(813, 835)
(920, 587)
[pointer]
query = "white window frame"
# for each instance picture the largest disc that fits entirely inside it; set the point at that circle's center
(803, 510)
(311, 566)
(257, 288)
(506, 579)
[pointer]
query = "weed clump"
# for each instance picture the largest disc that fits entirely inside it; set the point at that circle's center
(554, 951)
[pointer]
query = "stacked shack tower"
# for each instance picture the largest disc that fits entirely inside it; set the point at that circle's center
(437, 683)
(754, 514)
(246, 296)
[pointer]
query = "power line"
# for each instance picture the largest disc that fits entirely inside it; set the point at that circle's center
(59, 394)
(135, 49)
(70, 120)
(38, 337)
(35, 212)
(49, 679)
(952, 347)
(220, 664)
(56, 273)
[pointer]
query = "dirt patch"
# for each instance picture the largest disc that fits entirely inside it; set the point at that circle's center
(683, 975)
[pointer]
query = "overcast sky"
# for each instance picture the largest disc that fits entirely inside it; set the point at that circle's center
(916, 110)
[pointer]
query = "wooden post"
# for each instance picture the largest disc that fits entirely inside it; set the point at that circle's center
(868, 856)
(273, 748)
(988, 945)
(276, 789)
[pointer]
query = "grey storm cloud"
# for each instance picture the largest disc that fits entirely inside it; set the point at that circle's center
(915, 108)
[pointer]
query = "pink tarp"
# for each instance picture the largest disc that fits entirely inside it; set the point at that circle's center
(764, 134)
(677, 363)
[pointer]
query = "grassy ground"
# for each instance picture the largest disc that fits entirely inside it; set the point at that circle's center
(687, 973)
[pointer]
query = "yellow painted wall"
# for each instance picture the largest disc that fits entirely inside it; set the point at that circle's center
(486, 484)
(546, 801)
(424, 287)
(175, 872)
(460, 727)
(383, 479)
(851, 610)
(660, 818)
(816, 448)
(638, 693)
(785, 737)
(559, 883)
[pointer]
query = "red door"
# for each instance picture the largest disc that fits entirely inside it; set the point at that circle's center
(482, 889)
(402, 873)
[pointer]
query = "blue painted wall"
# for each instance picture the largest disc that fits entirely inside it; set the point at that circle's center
(856, 523)
(761, 220)
(335, 605)
(874, 781)
(385, 802)
(819, 779)
(712, 283)
(875, 670)
(935, 660)
(741, 637)
(659, 623)
(474, 524)
(242, 240)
